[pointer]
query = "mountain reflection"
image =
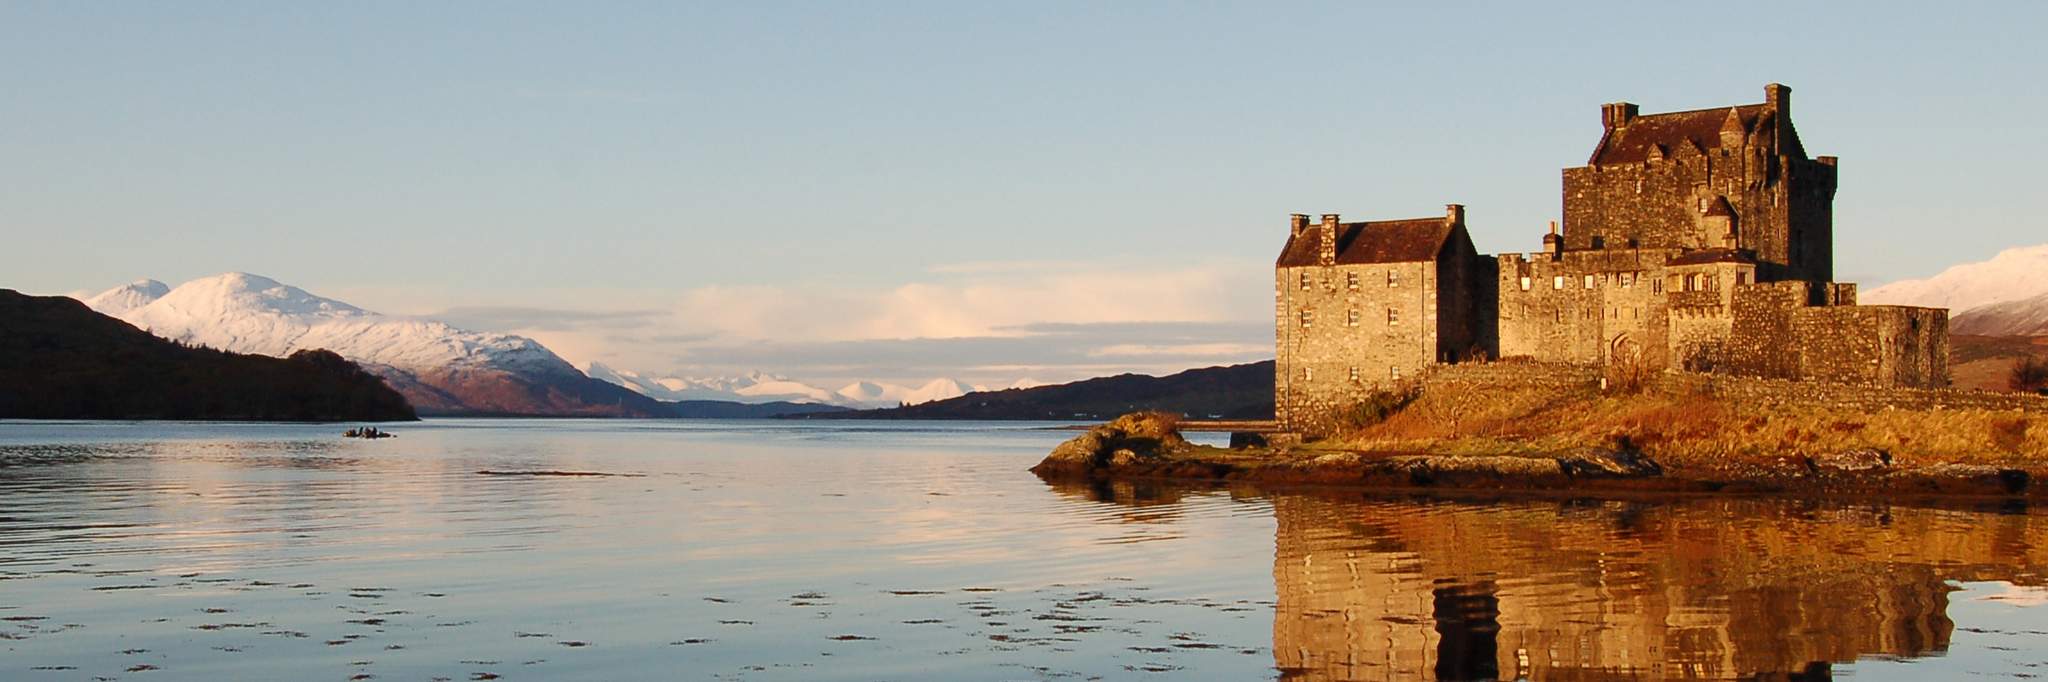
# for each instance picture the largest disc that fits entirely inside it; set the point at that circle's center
(1374, 589)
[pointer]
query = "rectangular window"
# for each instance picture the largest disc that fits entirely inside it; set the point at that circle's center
(1351, 318)
(1692, 282)
(1525, 284)
(1308, 318)
(1741, 278)
(1308, 374)
(1304, 281)
(1354, 374)
(1394, 372)
(1393, 278)
(1393, 316)
(1628, 280)
(1589, 282)
(1351, 281)
(1657, 285)
(1557, 282)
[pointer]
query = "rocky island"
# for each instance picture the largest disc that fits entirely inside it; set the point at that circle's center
(1547, 427)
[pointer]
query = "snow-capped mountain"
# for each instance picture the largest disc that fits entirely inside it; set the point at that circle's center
(759, 387)
(2026, 317)
(2012, 275)
(120, 300)
(440, 368)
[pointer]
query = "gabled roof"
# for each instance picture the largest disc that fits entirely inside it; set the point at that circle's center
(1700, 129)
(1381, 241)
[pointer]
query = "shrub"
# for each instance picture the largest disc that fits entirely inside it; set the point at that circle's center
(1628, 373)
(1376, 407)
(2009, 434)
(2031, 374)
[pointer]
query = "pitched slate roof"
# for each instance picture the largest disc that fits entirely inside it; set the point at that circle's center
(1381, 241)
(1667, 132)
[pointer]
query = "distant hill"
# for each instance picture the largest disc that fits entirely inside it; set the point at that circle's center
(726, 409)
(61, 360)
(1235, 392)
(1986, 362)
(2023, 317)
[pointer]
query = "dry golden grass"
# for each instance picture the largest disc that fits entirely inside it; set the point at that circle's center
(1679, 427)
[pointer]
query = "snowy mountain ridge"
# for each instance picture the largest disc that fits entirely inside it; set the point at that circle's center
(253, 314)
(2014, 274)
(760, 387)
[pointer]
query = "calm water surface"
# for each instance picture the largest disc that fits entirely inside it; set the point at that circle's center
(775, 551)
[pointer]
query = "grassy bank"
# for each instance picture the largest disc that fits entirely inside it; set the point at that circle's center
(1679, 425)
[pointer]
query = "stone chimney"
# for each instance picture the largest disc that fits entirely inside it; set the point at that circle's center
(1617, 114)
(1327, 253)
(1779, 98)
(1296, 224)
(1454, 214)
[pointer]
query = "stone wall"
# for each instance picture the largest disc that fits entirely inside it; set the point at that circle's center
(1762, 342)
(1762, 391)
(1367, 325)
(1778, 202)
(1580, 306)
(1875, 345)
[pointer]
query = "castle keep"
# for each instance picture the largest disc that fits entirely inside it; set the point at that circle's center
(1692, 240)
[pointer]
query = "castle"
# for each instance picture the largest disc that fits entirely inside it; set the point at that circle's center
(1692, 240)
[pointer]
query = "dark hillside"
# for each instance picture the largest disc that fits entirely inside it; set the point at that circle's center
(1234, 392)
(61, 360)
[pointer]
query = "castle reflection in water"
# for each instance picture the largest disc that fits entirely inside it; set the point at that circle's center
(1379, 588)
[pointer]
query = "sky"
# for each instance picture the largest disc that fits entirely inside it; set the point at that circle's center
(905, 190)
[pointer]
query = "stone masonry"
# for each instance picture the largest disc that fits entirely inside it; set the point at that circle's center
(1693, 240)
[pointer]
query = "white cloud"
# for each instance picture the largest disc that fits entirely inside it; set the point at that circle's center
(1049, 320)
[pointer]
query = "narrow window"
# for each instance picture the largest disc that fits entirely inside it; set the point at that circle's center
(1589, 282)
(1525, 284)
(1657, 285)
(1394, 372)
(1393, 316)
(1304, 281)
(1560, 315)
(1741, 278)
(1628, 280)
(1308, 318)
(1351, 281)
(1354, 375)
(1308, 374)
(1393, 278)
(1351, 318)
(1557, 282)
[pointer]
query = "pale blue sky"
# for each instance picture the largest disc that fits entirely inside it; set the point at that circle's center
(811, 159)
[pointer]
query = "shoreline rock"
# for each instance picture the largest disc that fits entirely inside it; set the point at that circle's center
(1146, 447)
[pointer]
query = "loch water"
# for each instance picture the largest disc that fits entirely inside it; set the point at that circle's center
(658, 550)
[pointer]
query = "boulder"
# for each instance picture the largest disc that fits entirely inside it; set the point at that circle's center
(1860, 459)
(1128, 440)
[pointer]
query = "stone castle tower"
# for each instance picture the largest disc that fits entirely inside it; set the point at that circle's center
(1727, 177)
(1694, 240)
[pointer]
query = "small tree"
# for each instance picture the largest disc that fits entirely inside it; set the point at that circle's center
(2031, 374)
